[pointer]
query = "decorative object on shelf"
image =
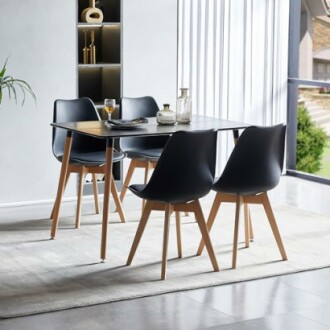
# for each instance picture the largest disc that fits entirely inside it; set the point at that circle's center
(166, 116)
(92, 14)
(85, 49)
(92, 49)
(11, 84)
(183, 107)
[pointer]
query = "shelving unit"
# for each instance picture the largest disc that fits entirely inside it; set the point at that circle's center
(103, 78)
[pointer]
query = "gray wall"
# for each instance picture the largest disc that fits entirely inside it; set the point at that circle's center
(40, 36)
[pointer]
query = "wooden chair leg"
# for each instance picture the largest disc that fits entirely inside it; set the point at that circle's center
(65, 184)
(165, 240)
(210, 221)
(273, 225)
(129, 174)
(237, 216)
(139, 231)
(205, 234)
(79, 196)
(117, 201)
(178, 233)
(251, 227)
(147, 169)
(96, 194)
(247, 225)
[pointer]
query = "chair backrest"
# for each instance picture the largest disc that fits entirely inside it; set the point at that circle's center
(256, 162)
(185, 170)
(134, 107)
(81, 109)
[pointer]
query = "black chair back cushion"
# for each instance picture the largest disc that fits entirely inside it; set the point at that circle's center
(185, 170)
(131, 108)
(81, 109)
(256, 162)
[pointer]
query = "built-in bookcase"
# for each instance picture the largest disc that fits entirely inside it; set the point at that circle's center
(101, 79)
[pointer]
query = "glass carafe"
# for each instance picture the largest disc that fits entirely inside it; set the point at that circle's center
(183, 107)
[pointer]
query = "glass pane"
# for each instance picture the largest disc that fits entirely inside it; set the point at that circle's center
(314, 40)
(313, 131)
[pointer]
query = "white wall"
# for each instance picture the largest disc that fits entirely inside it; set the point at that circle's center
(40, 37)
(150, 49)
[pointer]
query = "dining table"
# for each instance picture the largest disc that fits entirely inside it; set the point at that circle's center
(102, 130)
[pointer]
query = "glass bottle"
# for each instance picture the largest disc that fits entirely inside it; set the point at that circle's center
(183, 107)
(166, 116)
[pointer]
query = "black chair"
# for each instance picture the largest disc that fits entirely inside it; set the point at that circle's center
(254, 167)
(144, 152)
(183, 174)
(87, 153)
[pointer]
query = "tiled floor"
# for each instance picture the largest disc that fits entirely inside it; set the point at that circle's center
(298, 301)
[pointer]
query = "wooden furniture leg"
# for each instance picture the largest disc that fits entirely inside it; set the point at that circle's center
(79, 195)
(61, 184)
(139, 231)
(235, 243)
(96, 194)
(178, 233)
(106, 202)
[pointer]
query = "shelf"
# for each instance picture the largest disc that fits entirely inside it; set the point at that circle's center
(99, 65)
(97, 25)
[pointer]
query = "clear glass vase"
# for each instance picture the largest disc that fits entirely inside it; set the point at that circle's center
(166, 116)
(183, 107)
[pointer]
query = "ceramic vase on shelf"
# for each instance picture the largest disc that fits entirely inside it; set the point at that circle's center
(183, 107)
(92, 14)
(166, 116)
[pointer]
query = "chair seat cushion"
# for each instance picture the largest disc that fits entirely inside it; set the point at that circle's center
(149, 154)
(96, 158)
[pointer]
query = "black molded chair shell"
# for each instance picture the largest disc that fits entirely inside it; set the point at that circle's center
(256, 162)
(185, 170)
(85, 150)
(147, 148)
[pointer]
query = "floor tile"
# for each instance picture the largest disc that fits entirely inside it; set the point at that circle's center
(275, 322)
(255, 299)
(316, 282)
(318, 314)
(170, 311)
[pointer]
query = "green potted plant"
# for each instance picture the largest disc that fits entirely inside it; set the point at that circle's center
(11, 84)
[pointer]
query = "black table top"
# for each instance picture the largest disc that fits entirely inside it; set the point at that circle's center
(98, 129)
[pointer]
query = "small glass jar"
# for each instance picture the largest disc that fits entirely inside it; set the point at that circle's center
(166, 116)
(183, 107)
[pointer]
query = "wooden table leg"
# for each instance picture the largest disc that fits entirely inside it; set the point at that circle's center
(61, 183)
(106, 201)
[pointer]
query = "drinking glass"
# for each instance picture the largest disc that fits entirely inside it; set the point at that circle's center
(109, 107)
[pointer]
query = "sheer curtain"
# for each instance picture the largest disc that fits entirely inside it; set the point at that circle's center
(233, 57)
